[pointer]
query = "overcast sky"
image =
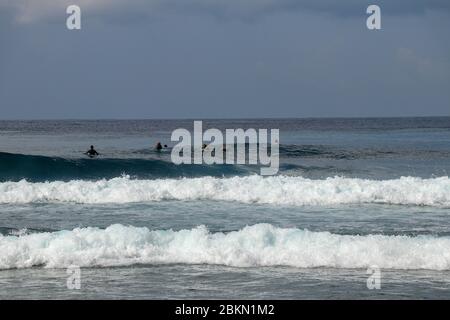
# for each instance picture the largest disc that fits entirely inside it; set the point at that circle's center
(223, 59)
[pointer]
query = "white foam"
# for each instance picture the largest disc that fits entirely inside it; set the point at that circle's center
(250, 189)
(254, 246)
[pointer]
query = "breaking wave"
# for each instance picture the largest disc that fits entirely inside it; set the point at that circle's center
(279, 190)
(253, 246)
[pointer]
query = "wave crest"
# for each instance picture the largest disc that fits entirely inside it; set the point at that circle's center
(253, 246)
(15, 167)
(279, 190)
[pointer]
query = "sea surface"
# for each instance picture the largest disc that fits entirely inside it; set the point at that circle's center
(350, 194)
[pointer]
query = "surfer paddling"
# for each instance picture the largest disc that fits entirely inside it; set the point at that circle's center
(159, 146)
(91, 152)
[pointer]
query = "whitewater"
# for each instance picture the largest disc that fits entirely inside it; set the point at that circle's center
(351, 195)
(253, 246)
(277, 190)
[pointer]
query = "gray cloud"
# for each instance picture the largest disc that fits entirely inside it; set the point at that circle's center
(28, 11)
(175, 60)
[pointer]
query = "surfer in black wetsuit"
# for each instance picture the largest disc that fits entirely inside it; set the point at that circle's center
(158, 146)
(92, 152)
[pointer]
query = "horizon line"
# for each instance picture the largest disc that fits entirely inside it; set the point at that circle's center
(231, 118)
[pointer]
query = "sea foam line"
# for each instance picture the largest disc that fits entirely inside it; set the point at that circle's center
(253, 246)
(250, 189)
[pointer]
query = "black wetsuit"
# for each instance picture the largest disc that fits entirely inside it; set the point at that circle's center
(92, 153)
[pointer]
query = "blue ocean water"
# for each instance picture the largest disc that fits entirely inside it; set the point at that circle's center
(350, 194)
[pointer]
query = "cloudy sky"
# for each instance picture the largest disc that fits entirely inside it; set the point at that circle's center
(223, 59)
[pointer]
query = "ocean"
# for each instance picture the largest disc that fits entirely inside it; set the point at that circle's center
(350, 195)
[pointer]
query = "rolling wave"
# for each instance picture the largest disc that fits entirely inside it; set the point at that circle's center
(15, 167)
(149, 164)
(333, 152)
(253, 246)
(277, 190)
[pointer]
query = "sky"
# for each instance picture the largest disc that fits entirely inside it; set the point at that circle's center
(135, 59)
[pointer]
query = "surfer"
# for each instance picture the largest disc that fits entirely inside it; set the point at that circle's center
(92, 152)
(158, 146)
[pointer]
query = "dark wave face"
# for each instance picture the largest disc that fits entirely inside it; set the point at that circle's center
(15, 167)
(331, 152)
(312, 161)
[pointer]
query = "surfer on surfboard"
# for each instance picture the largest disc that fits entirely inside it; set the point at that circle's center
(92, 152)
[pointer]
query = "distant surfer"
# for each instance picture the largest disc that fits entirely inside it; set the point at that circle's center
(92, 152)
(158, 146)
